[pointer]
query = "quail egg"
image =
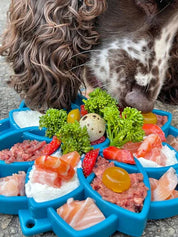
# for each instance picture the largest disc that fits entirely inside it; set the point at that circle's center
(95, 125)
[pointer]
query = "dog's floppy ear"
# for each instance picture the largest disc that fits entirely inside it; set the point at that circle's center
(45, 43)
(169, 92)
(148, 6)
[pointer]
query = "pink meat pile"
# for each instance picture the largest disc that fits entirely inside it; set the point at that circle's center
(172, 141)
(161, 120)
(132, 199)
(25, 151)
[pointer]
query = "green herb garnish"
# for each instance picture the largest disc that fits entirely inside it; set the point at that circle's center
(74, 138)
(53, 120)
(99, 99)
(125, 127)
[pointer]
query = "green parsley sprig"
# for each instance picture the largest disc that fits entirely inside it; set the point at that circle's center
(98, 100)
(74, 138)
(124, 127)
(53, 120)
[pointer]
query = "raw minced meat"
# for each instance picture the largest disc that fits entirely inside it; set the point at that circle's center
(172, 141)
(132, 199)
(24, 151)
(161, 120)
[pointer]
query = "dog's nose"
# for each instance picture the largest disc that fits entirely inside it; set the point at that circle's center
(138, 100)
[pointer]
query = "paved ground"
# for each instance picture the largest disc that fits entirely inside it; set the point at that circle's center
(9, 225)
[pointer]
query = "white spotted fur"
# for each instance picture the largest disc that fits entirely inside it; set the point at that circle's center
(112, 79)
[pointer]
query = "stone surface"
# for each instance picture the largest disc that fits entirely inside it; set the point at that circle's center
(9, 225)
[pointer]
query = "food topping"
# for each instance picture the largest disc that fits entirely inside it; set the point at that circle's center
(83, 111)
(73, 115)
(98, 100)
(164, 188)
(151, 152)
(95, 125)
(149, 118)
(46, 177)
(149, 144)
(71, 158)
(23, 151)
(13, 185)
(100, 140)
(131, 146)
(89, 161)
(53, 120)
(121, 155)
(50, 163)
(132, 199)
(161, 120)
(154, 129)
(172, 141)
(52, 146)
(124, 127)
(74, 138)
(116, 179)
(81, 214)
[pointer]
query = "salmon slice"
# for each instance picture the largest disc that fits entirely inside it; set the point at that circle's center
(80, 214)
(13, 185)
(71, 158)
(50, 163)
(46, 177)
(153, 184)
(166, 184)
(173, 195)
(150, 149)
(157, 156)
(150, 142)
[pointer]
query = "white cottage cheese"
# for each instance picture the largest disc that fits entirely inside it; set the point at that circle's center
(169, 153)
(27, 118)
(43, 192)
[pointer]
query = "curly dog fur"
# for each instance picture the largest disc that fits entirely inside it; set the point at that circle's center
(48, 43)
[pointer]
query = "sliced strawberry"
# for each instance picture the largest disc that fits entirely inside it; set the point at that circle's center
(52, 146)
(121, 155)
(83, 111)
(153, 129)
(100, 140)
(89, 161)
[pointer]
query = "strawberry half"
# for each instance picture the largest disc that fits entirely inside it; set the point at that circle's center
(52, 146)
(89, 161)
(83, 111)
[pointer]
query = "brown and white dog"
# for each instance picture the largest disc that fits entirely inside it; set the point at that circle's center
(128, 47)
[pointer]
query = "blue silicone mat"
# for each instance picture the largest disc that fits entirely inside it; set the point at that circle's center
(36, 217)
